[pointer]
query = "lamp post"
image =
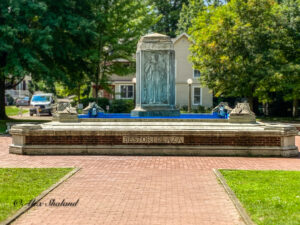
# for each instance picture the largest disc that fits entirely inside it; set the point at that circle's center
(190, 81)
(134, 92)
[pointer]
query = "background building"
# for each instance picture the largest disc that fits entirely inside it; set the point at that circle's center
(184, 70)
(123, 86)
(21, 90)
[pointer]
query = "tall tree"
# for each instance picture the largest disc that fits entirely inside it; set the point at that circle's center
(73, 30)
(21, 42)
(188, 13)
(44, 38)
(238, 47)
(169, 12)
(119, 25)
(289, 82)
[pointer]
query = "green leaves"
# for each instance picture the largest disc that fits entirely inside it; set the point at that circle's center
(119, 24)
(169, 13)
(19, 25)
(188, 13)
(243, 48)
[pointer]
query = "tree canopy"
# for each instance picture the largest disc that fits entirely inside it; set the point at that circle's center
(240, 48)
(68, 41)
(289, 81)
(169, 12)
(119, 25)
(22, 42)
(45, 39)
(188, 13)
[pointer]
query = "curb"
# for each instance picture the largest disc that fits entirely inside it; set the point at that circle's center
(238, 205)
(26, 207)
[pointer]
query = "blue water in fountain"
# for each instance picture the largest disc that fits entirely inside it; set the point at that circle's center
(102, 115)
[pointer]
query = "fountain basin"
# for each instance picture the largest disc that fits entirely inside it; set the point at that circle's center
(155, 138)
(123, 117)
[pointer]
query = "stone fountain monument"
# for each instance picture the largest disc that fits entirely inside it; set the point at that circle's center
(155, 77)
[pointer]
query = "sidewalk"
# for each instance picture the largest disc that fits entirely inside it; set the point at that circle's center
(26, 116)
(140, 190)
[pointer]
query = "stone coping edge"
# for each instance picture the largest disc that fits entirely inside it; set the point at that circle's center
(238, 205)
(151, 120)
(26, 207)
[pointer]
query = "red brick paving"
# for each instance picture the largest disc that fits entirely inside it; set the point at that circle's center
(139, 190)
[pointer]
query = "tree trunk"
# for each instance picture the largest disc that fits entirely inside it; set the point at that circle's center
(250, 101)
(295, 107)
(78, 93)
(96, 91)
(266, 109)
(3, 115)
(97, 83)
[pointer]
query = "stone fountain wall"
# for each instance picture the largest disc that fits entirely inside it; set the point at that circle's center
(155, 138)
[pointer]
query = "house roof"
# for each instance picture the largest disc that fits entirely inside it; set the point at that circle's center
(155, 35)
(180, 36)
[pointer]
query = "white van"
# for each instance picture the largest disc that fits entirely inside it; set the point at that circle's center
(41, 104)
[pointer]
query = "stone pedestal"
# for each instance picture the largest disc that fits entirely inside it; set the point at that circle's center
(242, 114)
(69, 114)
(154, 111)
(155, 77)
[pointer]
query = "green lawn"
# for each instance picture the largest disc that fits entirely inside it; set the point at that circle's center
(10, 111)
(14, 111)
(2, 126)
(269, 197)
(278, 119)
(3, 123)
(18, 186)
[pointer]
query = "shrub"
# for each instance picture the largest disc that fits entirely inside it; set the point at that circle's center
(194, 110)
(9, 100)
(184, 108)
(201, 109)
(121, 106)
(102, 102)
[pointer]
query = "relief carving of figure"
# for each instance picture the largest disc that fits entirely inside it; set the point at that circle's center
(155, 86)
(157, 80)
(163, 76)
(149, 77)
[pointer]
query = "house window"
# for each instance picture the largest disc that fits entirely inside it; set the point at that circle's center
(196, 73)
(126, 91)
(196, 96)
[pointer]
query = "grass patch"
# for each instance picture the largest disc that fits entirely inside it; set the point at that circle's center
(2, 126)
(278, 119)
(20, 185)
(14, 111)
(269, 197)
(3, 123)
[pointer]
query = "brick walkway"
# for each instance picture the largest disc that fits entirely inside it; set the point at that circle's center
(139, 190)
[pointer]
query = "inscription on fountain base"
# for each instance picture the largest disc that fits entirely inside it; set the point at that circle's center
(153, 139)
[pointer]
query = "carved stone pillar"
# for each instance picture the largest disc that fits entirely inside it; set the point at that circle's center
(155, 77)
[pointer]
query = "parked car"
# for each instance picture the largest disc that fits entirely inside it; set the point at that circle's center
(23, 101)
(41, 104)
